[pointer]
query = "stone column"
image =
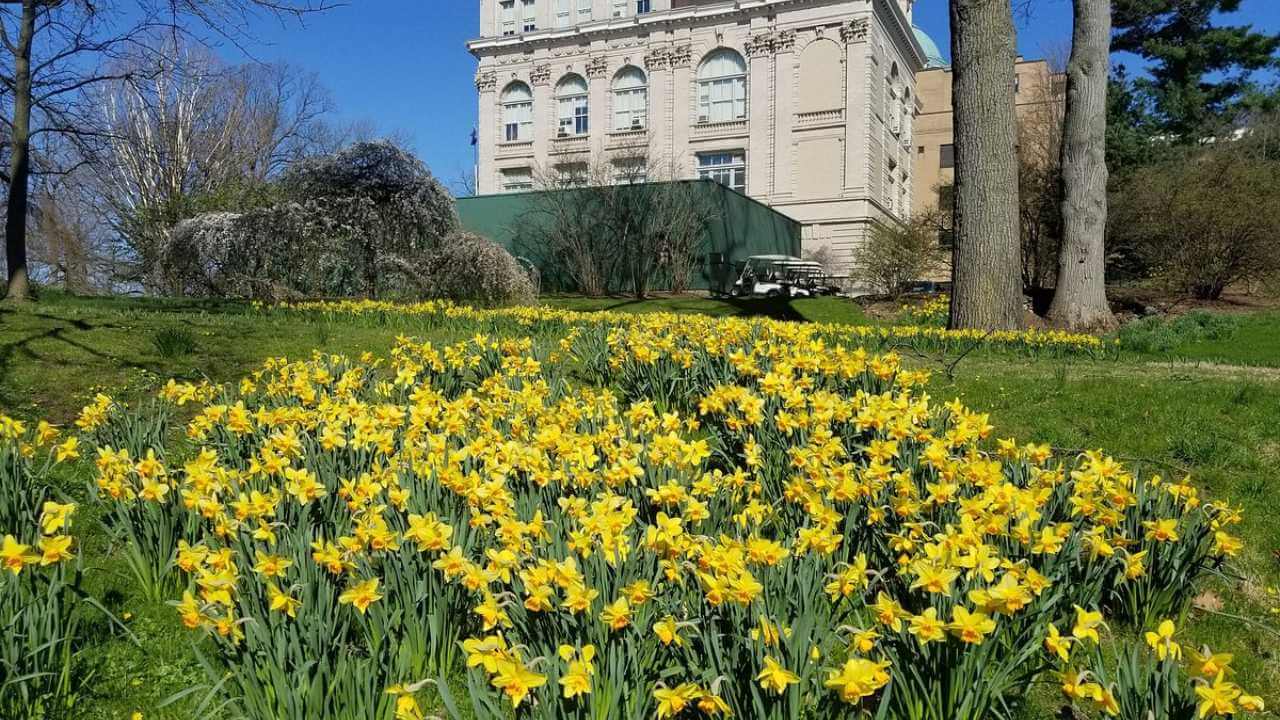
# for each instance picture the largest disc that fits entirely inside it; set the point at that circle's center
(657, 67)
(487, 130)
(784, 77)
(598, 74)
(858, 101)
(544, 115)
(760, 113)
(488, 8)
(682, 112)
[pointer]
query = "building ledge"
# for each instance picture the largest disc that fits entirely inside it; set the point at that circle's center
(520, 148)
(731, 128)
(819, 118)
(562, 144)
(628, 138)
(650, 21)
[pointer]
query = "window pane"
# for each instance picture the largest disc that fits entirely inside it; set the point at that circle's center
(947, 156)
(728, 169)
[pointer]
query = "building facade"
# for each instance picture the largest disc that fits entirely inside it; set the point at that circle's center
(1038, 98)
(806, 105)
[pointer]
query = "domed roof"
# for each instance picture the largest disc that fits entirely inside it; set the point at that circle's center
(933, 56)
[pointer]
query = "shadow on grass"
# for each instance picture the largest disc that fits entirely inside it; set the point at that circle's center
(24, 347)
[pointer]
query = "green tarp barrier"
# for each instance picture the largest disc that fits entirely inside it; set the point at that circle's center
(742, 227)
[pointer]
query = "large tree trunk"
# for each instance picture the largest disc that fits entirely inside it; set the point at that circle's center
(15, 230)
(987, 287)
(1080, 301)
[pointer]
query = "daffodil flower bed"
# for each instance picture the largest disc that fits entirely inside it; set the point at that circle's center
(39, 574)
(927, 335)
(662, 518)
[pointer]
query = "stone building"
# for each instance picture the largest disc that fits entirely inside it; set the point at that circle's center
(1038, 96)
(806, 105)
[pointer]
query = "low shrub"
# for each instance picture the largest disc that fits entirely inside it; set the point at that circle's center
(173, 342)
(1162, 334)
(474, 270)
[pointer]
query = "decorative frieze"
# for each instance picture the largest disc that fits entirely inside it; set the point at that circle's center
(760, 45)
(658, 58)
(540, 75)
(486, 81)
(855, 30)
(597, 67)
(681, 56)
(784, 41)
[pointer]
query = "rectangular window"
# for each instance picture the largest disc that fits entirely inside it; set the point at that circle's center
(517, 122)
(507, 16)
(630, 171)
(619, 8)
(530, 15)
(564, 13)
(947, 156)
(722, 100)
(630, 109)
(572, 174)
(727, 168)
(584, 10)
(947, 206)
(517, 179)
(573, 116)
(643, 6)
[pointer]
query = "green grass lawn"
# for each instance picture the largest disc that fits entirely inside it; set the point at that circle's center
(1220, 423)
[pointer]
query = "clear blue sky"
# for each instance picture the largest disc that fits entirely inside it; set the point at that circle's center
(403, 64)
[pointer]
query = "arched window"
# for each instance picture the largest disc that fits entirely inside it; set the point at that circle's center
(722, 87)
(517, 113)
(894, 100)
(630, 99)
(908, 113)
(822, 76)
(571, 97)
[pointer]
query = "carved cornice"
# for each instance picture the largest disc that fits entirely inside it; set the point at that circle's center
(597, 67)
(681, 56)
(855, 30)
(658, 58)
(784, 41)
(760, 45)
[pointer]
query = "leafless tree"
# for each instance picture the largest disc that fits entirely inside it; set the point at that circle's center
(899, 254)
(56, 50)
(184, 128)
(987, 287)
(621, 222)
(1040, 181)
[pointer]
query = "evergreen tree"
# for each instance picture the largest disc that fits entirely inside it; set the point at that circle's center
(1201, 75)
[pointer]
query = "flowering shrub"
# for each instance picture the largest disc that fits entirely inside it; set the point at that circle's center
(667, 517)
(473, 269)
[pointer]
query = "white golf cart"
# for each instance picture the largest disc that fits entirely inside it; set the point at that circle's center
(781, 276)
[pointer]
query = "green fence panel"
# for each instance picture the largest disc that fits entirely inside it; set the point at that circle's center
(742, 227)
